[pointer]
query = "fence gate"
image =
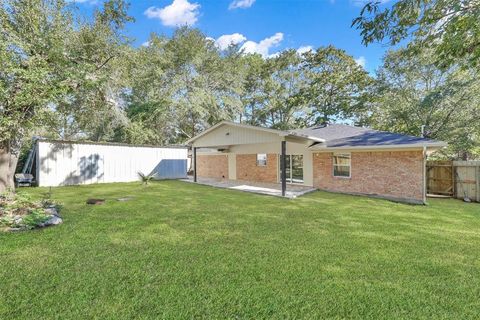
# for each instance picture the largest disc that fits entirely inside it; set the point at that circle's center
(441, 178)
(459, 179)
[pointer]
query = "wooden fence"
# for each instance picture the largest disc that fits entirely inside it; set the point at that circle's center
(457, 179)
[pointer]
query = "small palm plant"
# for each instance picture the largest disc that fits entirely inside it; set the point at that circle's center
(146, 178)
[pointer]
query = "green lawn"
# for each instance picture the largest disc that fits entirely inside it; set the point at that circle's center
(179, 250)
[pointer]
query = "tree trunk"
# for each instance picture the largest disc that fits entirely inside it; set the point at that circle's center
(8, 164)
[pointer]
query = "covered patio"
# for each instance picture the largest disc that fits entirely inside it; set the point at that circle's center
(283, 166)
(272, 189)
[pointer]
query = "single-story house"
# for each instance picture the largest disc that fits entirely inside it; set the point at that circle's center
(333, 157)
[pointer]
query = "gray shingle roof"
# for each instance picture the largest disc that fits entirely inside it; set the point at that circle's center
(340, 135)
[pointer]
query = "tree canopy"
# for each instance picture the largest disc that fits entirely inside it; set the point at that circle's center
(181, 85)
(450, 27)
(53, 66)
(412, 93)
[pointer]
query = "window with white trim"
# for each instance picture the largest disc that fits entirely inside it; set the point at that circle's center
(342, 165)
(261, 159)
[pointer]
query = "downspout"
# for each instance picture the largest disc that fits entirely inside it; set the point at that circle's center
(194, 164)
(424, 175)
(424, 167)
(283, 165)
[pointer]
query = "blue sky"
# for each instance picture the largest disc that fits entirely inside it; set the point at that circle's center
(263, 26)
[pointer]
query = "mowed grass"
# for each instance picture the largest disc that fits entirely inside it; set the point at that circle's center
(179, 250)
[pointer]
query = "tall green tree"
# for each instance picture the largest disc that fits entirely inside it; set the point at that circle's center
(271, 88)
(336, 86)
(450, 27)
(149, 104)
(413, 92)
(254, 96)
(293, 90)
(285, 107)
(47, 55)
(182, 85)
(202, 90)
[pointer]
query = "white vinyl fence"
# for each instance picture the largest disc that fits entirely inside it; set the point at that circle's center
(61, 163)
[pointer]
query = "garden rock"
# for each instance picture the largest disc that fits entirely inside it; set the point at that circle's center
(20, 213)
(52, 210)
(54, 218)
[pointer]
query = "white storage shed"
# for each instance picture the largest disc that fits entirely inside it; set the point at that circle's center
(60, 163)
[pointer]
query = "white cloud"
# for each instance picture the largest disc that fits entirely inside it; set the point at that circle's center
(146, 44)
(274, 55)
(242, 4)
(361, 61)
(226, 40)
(304, 49)
(250, 47)
(263, 47)
(179, 13)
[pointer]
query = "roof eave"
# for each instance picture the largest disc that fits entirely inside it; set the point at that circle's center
(296, 135)
(435, 145)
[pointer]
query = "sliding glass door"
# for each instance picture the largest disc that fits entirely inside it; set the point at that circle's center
(297, 169)
(294, 168)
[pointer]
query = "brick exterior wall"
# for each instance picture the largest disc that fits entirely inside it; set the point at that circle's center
(212, 166)
(397, 174)
(248, 170)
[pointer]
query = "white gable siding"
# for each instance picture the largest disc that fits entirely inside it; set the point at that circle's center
(227, 135)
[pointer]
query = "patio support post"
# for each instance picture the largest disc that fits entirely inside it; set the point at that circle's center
(194, 164)
(283, 163)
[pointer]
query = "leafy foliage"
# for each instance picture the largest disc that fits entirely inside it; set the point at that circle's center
(272, 88)
(450, 27)
(336, 86)
(181, 85)
(51, 60)
(54, 70)
(20, 211)
(184, 84)
(146, 178)
(412, 91)
(433, 82)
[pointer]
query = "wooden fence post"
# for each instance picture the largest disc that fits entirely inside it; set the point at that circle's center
(477, 179)
(454, 179)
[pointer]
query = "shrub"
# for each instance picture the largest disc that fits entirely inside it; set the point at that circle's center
(20, 211)
(146, 178)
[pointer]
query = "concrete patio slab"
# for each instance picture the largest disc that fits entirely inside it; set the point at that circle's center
(271, 189)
